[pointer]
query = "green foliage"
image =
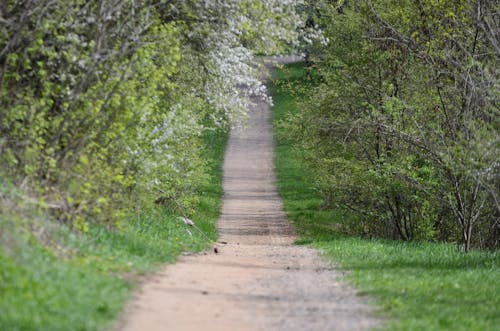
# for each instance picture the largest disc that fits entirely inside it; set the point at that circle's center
(112, 125)
(104, 104)
(403, 127)
(417, 285)
(52, 277)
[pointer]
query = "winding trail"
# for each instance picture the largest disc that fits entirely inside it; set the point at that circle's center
(259, 280)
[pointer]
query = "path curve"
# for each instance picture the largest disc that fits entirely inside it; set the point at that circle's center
(259, 280)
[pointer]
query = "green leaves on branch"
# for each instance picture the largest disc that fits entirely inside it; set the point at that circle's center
(403, 129)
(104, 103)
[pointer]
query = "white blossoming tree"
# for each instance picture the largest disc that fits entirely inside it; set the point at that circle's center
(104, 101)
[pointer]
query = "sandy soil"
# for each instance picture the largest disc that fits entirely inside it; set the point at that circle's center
(259, 280)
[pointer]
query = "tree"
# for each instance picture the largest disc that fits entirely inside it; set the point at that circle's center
(103, 101)
(405, 124)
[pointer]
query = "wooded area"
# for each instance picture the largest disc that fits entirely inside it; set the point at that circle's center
(114, 118)
(402, 128)
(104, 102)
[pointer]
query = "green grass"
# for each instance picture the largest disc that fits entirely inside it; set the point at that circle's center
(78, 281)
(418, 286)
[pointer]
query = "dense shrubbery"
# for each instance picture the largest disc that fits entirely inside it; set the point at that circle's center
(103, 103)
(403, 128)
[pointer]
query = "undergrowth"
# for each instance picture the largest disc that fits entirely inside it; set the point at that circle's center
(417, 285)
(54, 278)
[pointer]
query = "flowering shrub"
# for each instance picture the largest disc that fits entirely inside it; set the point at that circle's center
(104, 103)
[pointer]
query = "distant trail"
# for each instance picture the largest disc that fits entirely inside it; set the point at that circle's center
(259, 280)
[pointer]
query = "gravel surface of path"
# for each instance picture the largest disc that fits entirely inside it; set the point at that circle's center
(259, 280)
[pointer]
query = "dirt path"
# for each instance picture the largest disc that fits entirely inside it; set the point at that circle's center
(259, 280)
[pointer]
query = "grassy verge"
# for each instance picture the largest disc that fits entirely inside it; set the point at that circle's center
(419, 286)
(81, 281)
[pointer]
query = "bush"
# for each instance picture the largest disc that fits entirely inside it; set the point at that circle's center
(402, 128)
